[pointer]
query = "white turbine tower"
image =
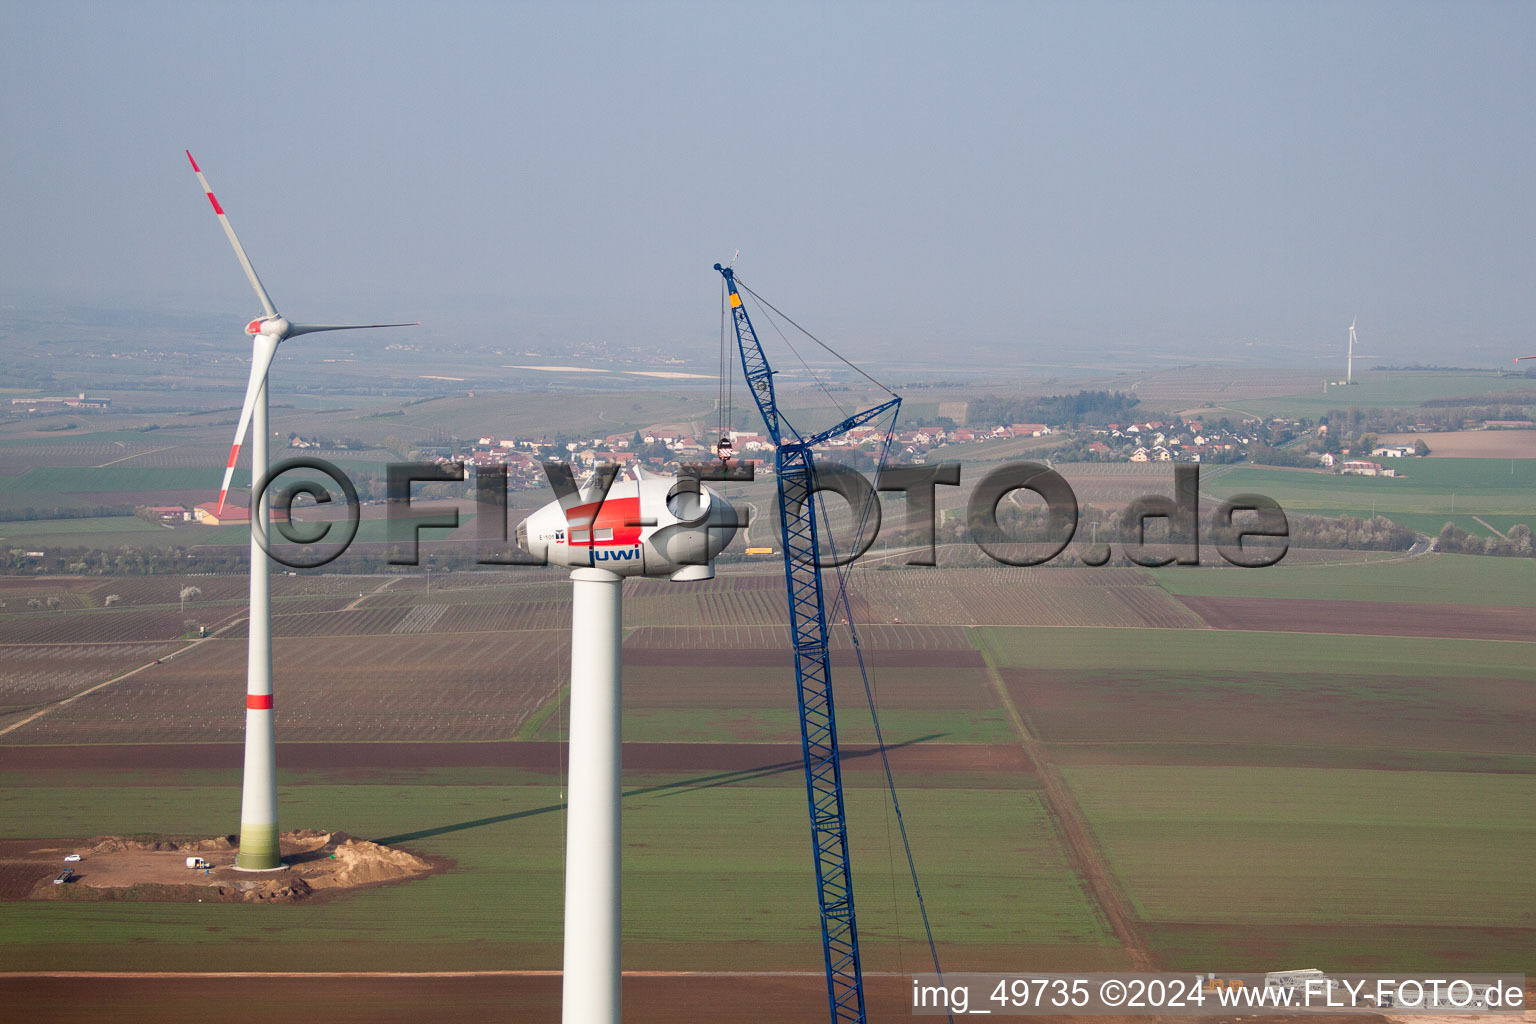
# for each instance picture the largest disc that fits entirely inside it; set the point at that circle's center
(648, 526)
(258, 807)
(1349, 367)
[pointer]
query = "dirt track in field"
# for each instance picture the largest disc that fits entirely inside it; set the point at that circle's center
(1082, 849)
(537, 756)
(1366, 618)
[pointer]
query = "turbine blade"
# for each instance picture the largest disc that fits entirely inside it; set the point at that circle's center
(296, 329)
(264, 347)
(250, 271)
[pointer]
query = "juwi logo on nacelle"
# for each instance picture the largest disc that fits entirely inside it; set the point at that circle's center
(615, 554)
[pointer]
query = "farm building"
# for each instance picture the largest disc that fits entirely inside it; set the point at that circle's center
(1364, 467)
(53, 404)
(207, 513)
(171, 513)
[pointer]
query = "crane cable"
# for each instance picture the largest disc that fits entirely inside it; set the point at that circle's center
(842, 573)
(725, 391)
(815, 377)
(830, 350)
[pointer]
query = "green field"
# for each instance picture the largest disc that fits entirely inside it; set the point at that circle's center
(995, 877)
(1361, 800)
(1349, 800)
(1431, 487)
(95, 531)
(86, 436)
(130, 531)
(1222, 651)
(1383, 389)
(1295, 846)
(782, 725)
(50, 486)
(52, 483)
(1441, 579)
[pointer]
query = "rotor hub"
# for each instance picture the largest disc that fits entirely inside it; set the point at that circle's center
(272, 326)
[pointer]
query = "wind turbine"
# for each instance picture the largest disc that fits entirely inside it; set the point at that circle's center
(1349, 367)
(258, 806)
(648, 526)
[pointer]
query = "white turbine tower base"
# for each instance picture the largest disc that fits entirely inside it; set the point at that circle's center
(589, 990)
(648, 526)
(259, 850)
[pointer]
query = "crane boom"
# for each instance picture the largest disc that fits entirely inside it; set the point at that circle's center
(796, 473)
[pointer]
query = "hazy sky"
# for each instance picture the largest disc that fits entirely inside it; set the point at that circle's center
(952, 178)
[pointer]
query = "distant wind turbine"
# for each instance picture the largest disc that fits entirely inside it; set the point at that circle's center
(1349, 369)
(258, 809)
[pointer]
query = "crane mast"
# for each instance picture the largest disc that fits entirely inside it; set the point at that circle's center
(795, 469)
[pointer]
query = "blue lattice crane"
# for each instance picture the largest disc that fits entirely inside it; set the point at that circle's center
(795, 468)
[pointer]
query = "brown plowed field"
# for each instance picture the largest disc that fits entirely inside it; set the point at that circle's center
(1371, 618)
(534, 756)
(17, 879)
(23, 587)
(1471, 444)
(1275, 709)
(983, 601)
(370, 618)
(37, 674)
(396, 688)
(111, 625)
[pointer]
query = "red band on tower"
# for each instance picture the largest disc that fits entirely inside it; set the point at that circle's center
(258, 701)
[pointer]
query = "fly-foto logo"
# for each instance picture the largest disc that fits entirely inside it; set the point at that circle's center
(992, 515)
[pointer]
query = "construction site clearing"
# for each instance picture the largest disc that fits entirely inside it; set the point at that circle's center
(184, 870)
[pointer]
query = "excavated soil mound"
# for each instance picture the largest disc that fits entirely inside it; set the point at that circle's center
(359, 862)
(155, 868)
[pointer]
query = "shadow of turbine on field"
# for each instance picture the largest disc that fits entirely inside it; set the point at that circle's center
(693, 785)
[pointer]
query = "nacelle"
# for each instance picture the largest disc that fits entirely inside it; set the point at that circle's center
(653, 526)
